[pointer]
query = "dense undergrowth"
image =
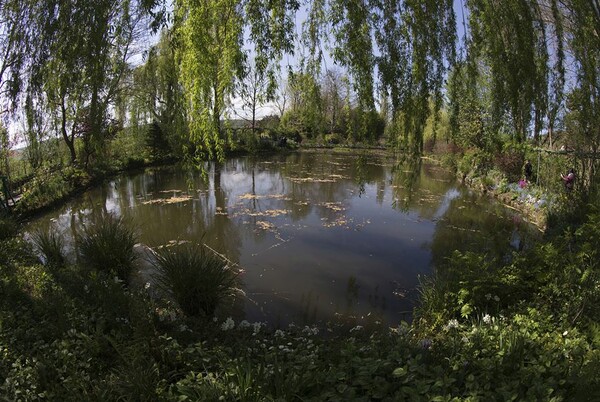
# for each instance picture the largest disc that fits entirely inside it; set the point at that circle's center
(526, 329)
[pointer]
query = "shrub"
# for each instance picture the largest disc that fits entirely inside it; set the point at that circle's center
(107, 245)
(333, 138)
(510, 162)
(197, 281)
(429, 145)
(50, 246)
(8, 228)
(44, 190)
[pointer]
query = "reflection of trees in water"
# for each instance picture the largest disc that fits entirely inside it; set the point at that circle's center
(310, 307)
(360, 174)
(348, 175)
(465, 228)
(418, 186)
(405, 181)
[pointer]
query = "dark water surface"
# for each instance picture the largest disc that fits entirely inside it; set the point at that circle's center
(321, 237)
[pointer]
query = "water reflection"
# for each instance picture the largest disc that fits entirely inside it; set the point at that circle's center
(320, 237)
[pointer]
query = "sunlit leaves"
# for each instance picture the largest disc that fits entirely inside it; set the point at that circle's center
(416, 40)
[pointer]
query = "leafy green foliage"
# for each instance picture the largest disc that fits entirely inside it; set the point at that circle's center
(197, 281)
(210, 55)
(158, 96)
(516, 53)
(8, 227)
(107, 246)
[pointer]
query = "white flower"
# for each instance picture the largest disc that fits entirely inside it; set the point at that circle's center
(357, 328)
(279, 334)
(453, 323)
(310, 331)
(465, 339)
(228, 324)
(401, 329)
(487, 319)
(488, 296)
(496, 298)
(244, 324)
(147, 285)
(256, 328)
(565, 333)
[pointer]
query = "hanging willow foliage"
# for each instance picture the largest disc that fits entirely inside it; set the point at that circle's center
(210, 41)
(510, 37)
(414, 41)
(209, 36)
(512, 77)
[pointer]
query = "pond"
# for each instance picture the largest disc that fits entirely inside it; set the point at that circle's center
(321, 237)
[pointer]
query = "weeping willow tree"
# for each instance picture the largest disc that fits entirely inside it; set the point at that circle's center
(520, 56)
(79, 60)
(16, 42)
(582, 27)
(404, 47)
(509, 39)
(210, 40)
(416, 40)
(157, 106)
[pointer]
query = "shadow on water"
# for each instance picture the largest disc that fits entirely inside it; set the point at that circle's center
(320, 237)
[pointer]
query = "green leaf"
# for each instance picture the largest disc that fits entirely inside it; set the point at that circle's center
(466, 310)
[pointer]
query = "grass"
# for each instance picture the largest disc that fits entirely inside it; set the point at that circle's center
(50, 246)
(197, 281)
(107, 246)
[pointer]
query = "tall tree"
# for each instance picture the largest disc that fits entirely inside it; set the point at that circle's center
(333, 92)
(511, 38)
(210, 39)
(209, 35)
(158, 96)
(82, 61)
(416, 41)
(16, 33)
(582, 25)
(254, 91)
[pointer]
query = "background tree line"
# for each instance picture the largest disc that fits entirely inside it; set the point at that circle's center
(520, 72)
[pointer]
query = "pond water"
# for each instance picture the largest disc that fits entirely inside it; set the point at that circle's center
(320, 237)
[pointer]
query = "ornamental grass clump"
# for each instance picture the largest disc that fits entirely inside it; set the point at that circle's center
(50, 246)
(107, 246)
(197, 281)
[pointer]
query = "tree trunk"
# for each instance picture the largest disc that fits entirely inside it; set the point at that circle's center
(63, 129)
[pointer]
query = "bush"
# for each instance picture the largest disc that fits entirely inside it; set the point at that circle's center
(107, 245)
(43, 190)
(50, 247)
(333, 138)
(510, 162)
(197, 281)
(8, 228)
